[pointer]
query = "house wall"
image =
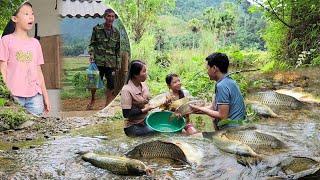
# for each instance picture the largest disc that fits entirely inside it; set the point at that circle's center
(46, 16)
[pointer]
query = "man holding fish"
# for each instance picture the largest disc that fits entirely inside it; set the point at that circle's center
(228, 102)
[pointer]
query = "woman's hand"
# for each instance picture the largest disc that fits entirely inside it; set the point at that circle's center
(147, 108)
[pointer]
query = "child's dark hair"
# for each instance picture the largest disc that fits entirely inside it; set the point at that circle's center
(22, 4)
(220, 60)
(10, 27)
(169, 78)
(135, 68)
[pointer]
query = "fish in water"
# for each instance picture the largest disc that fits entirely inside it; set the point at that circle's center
(272, 98)
(301, 95)
(262, 110)
(254, 139)
(296, 167)
(158, 149)
(116, 165)
(244, 141)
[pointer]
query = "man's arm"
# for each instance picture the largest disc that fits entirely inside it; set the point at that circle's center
(117, 51)
(222, 112)
(92, 44)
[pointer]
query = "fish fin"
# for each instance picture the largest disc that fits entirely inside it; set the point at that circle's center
(247, 161)
(242, 128)
(82, 152)
(208, 135)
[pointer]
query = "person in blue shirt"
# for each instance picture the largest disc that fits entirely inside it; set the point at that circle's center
(228, 101)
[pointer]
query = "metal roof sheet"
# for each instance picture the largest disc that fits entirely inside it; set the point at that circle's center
(81, 8)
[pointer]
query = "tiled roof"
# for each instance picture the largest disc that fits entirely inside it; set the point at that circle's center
(81, 8)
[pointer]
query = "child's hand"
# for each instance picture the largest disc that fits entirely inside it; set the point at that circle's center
(168, 100)
(47, 105)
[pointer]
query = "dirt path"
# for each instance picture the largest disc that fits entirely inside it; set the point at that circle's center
(77, 104)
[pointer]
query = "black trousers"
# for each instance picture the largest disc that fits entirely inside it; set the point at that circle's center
(107, 73)
(138, 130)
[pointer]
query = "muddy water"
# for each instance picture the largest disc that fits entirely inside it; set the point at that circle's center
(58, 158)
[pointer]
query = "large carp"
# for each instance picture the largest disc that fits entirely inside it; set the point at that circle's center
(296, 167)
(261, 109)
(175, 150)
(272, 98)
(116, 165)
(244, 141)
(161, 99)
(158, 100)
(186, 109)
(301, 95)
(177, 103)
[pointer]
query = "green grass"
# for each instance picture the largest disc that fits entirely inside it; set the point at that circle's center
(71, 66)
(6, 146)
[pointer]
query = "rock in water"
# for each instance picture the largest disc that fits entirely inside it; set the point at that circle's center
(116, 165)
(26, 124)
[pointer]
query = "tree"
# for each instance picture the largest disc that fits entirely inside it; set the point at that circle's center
(7, 8)
(221, 20)
(194, 25)
(297, 24)
(138, 15)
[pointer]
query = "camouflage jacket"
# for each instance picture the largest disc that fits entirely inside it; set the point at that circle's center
(105, 48)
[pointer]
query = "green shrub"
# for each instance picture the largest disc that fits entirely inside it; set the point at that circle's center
(10, 119)
(316, 61)
(79, 81)
(4, 92)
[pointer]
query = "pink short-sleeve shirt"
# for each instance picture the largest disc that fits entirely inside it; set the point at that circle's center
(22, 56)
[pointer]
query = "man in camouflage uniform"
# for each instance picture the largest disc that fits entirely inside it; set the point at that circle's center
(104, 50)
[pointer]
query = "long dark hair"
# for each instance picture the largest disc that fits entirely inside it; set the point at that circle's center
(135, 69)
(169, 78)
(11, 26)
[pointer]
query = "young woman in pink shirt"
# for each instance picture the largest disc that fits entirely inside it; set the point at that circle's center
(20, 63)
(176, 93)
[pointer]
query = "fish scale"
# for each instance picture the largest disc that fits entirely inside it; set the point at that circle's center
(276, 99)
(254, 139)
(158, 149)
(298, 164)
(294, 167)
(115, 164)
(185, 108)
